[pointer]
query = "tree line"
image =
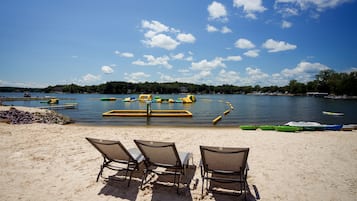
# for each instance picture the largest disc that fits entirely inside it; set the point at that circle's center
(327, 81)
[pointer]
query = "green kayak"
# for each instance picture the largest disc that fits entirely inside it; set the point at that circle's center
(287, 128)
(248, 127)
(267, 127)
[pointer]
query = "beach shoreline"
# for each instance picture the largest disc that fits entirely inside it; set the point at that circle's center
(55, 162)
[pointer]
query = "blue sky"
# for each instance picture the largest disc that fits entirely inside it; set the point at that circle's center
(239, 42)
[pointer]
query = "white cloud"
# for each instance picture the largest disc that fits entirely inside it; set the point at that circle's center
(186, 38)
(233, 58)
(162, 41)
(211, 28)
(250, 7)
(252, 53)
(124, 54)
(136, 77)
(162, 36)
(243, 43)
(352, 69)
(183, 71)
(154, 26)
(285, 24)
(178, 56)
(304, 71)
(107, 69)
(277, 46)
(190, 58)
(226, 30)
(89, 78)
(293, 7)
(228, 77)
(154, 61)
(217, 11)
(205, 65)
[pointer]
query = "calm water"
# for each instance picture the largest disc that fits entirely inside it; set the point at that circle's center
(248, 109)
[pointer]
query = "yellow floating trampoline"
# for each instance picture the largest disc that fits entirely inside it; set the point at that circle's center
(144, 113)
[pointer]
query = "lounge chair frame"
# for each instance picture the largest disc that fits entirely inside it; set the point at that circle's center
(160, 166)
(236, 173)
(118, 154)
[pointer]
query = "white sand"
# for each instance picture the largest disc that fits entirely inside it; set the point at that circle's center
(54, 162)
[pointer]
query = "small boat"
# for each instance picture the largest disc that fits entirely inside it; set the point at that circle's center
(145, 97)
(333, 127)
(248, 127)
(53, 101)
(333, 113)
(129, 99)
(27, 95)
(287, 128)
(314, 126)
(188, 99)
(108, 99)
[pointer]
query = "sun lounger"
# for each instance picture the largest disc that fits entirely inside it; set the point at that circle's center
(163, 158)
(224, 165)
(116, 157)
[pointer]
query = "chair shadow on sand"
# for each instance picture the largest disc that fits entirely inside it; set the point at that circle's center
(117, 186)
(163, 189)
(162, 186)
(228, 192)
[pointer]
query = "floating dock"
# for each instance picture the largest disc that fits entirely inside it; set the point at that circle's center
(65, 106)
(144, 113)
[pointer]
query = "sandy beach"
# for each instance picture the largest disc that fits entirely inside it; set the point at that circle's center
(55, 162)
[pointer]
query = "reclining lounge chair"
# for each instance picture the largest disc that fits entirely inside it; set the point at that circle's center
(163, 158)
(116, 157)
(224, 165)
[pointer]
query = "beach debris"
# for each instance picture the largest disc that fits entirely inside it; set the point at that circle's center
(14, 116)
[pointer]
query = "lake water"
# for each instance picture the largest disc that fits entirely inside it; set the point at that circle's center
(248, 109)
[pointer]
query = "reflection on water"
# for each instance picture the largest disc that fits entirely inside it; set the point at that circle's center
(247, 109)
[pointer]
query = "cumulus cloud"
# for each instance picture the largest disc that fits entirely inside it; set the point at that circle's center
(233, 58)
(162, 41)
(162, 36)
(243, 43)
(205, 65)
(252, 53)
(89, 78)
(294, 7)
(136, 77)
(227, 77)
(211, 28)
(154, 26)
(186, 38)
(304, 71)
(285, 24)
(124, 54)
(277, 46)
(178, 56)
(250, 7)
(154, 61)
(217, 11)
(225, 29)
(107, 69)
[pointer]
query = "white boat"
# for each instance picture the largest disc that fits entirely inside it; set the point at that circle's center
(333, 113)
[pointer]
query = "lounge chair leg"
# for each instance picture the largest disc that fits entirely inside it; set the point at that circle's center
(143, 179)
(100, 172)
(203, 184)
